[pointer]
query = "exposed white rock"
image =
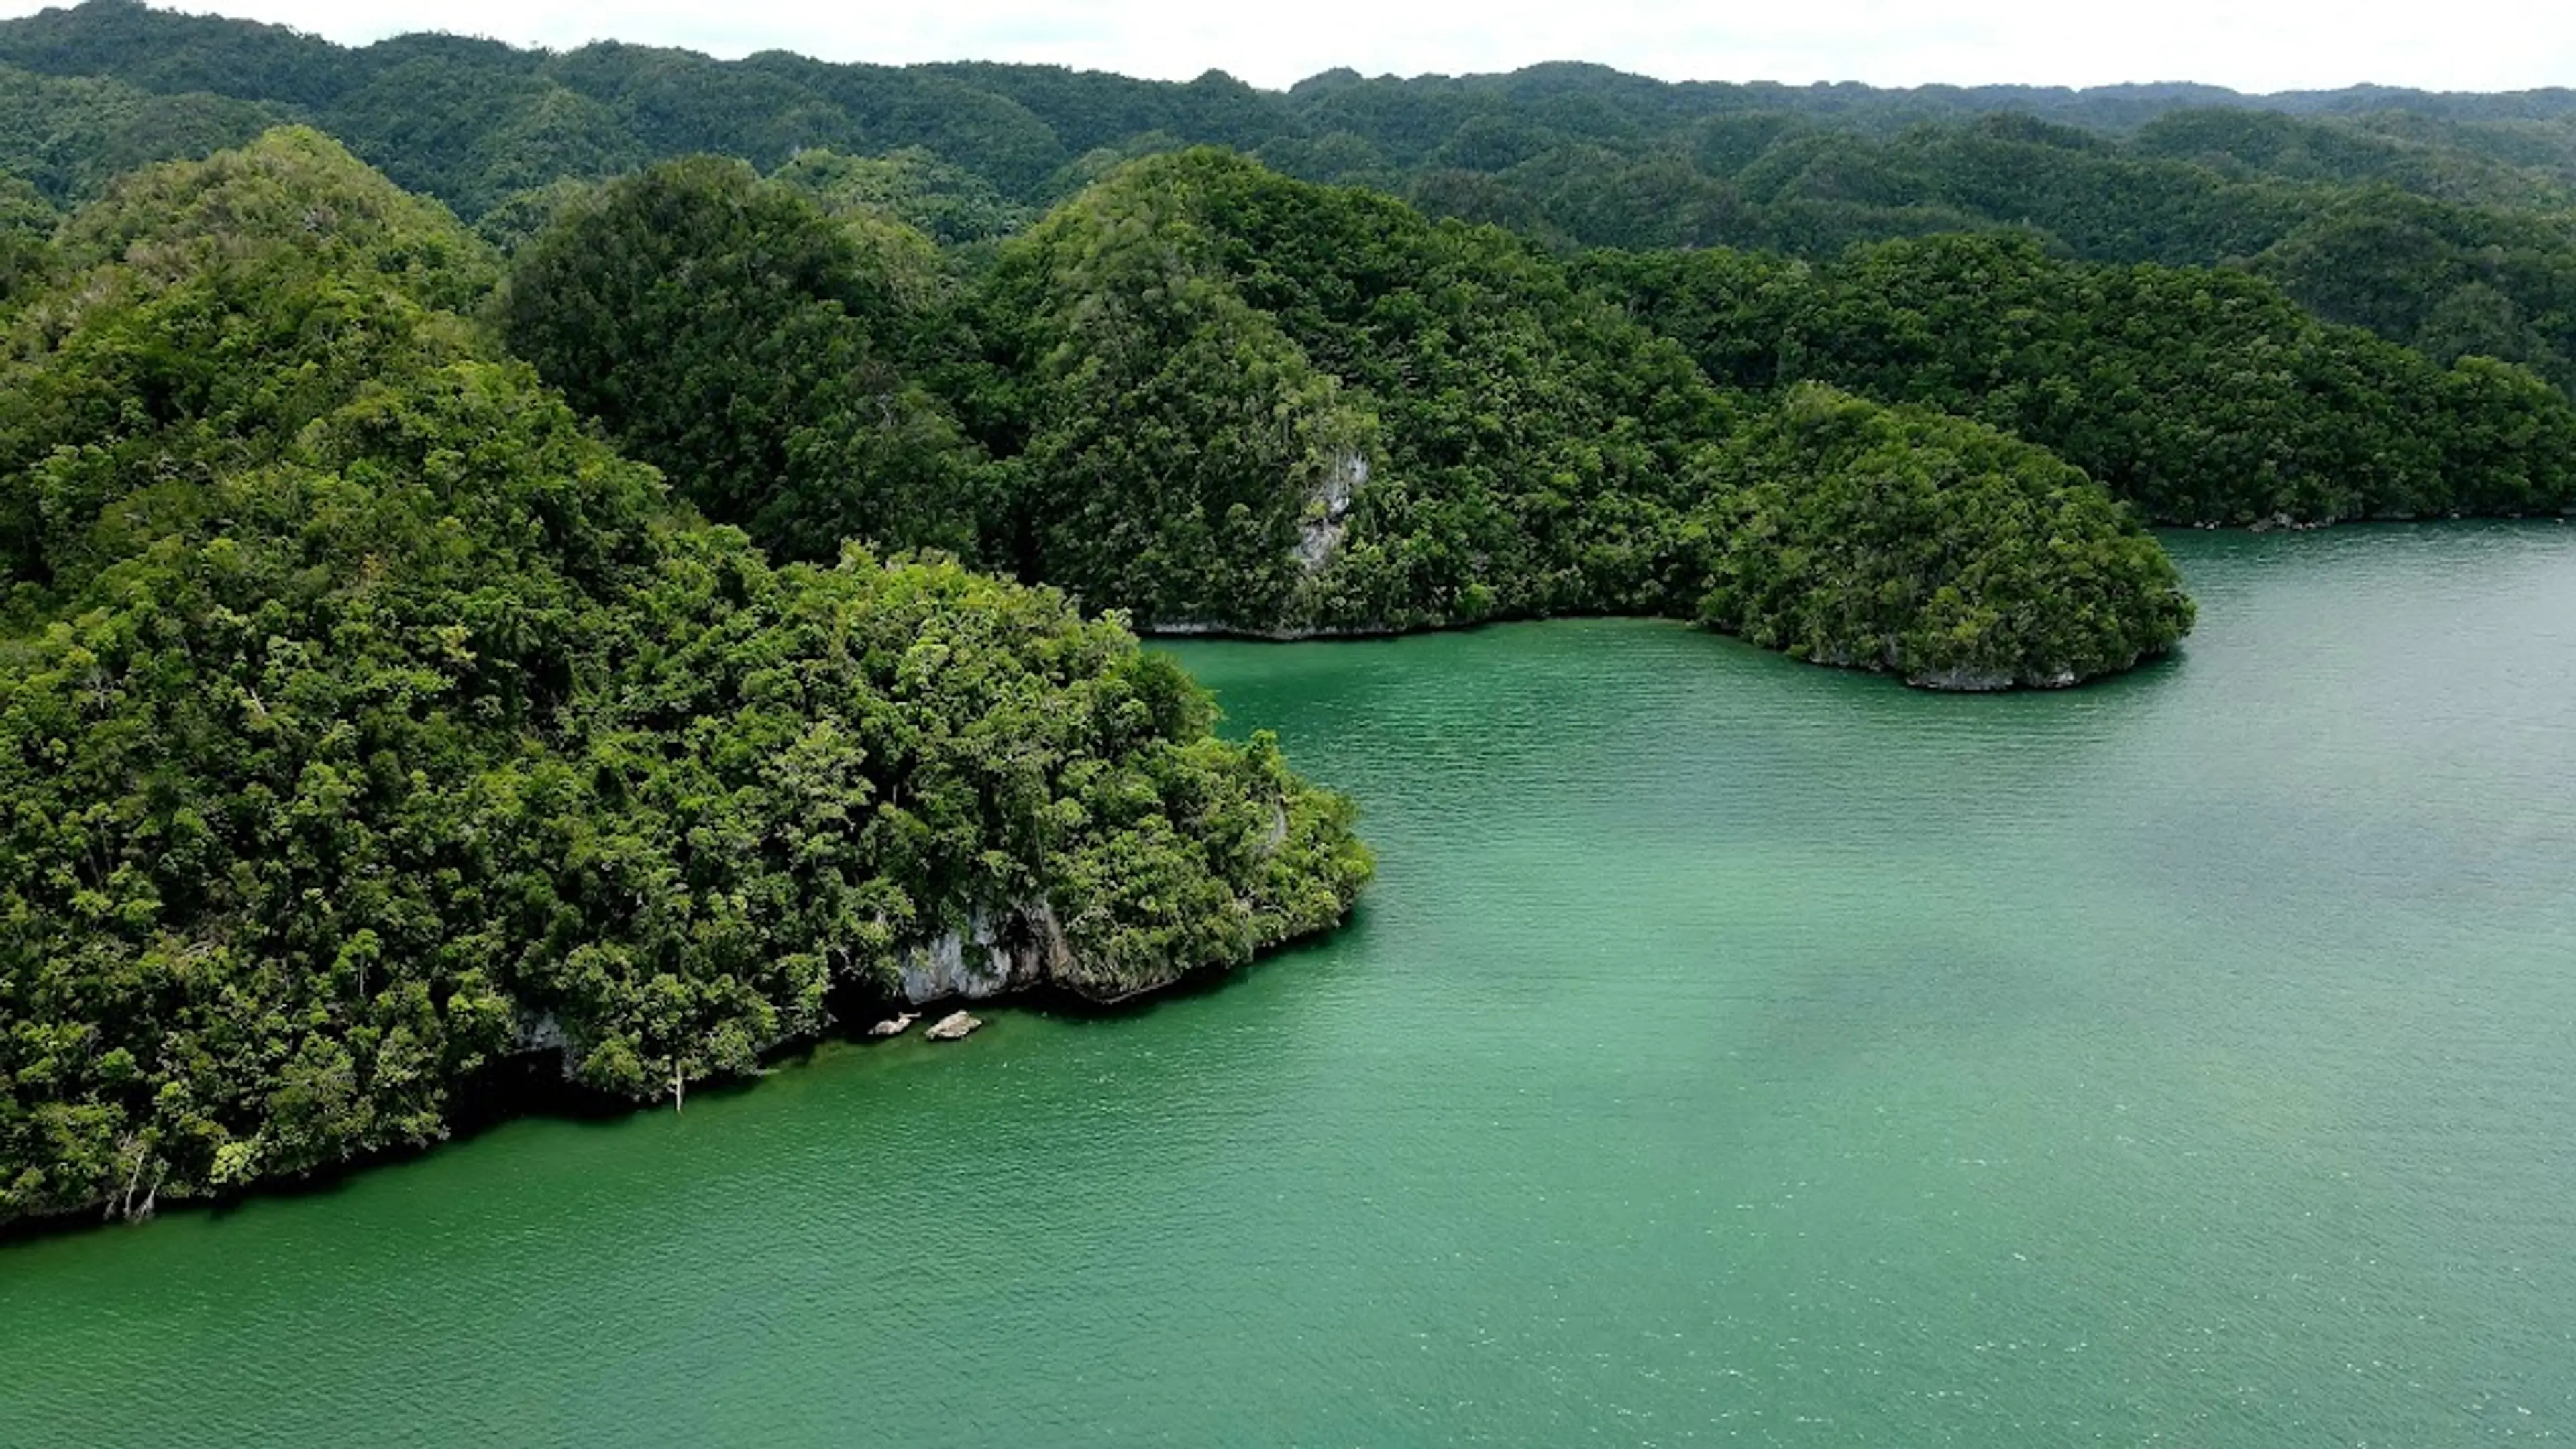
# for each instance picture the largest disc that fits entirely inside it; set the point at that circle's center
(1010, 949)
(955, 1026)
(541, 1033)
(1328, 509)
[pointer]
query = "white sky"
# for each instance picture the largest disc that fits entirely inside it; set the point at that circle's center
(2255, 45)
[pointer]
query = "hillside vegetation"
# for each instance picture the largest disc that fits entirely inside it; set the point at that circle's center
(1217, 398)
(695, 599)
(367, 721)
(2200, 395)
(2442, 221)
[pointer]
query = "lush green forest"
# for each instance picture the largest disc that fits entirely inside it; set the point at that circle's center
(1218, 398)
(697, 593)
(365, 720)
(2445, 222)
(1906, 539)
(2201, 395)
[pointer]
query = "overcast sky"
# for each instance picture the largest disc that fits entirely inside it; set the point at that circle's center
(2248, 44)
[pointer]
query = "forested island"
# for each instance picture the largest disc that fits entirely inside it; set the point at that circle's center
(629, 559)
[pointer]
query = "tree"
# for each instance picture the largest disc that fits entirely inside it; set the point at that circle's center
(759, 352)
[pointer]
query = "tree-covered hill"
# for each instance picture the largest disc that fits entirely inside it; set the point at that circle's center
(1910, 540)
(1219, 398)
(2441, 221)
(67, 136)
(365, 721)
(1222, 398)
(768, 357)
(1410, 422)
(1487, 437)
(2201, 395)
(1017, 122)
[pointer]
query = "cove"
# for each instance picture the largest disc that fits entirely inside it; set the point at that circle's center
(1731, 1051)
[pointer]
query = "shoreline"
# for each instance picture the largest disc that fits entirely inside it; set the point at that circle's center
(531, 1085)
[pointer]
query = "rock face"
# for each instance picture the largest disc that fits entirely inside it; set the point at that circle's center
(1010, 949)
(1328, 510)
(955, 1026)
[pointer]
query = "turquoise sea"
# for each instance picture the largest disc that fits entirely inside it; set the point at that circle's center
(1731, 1052)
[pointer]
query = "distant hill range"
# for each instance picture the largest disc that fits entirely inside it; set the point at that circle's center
(2441, 220)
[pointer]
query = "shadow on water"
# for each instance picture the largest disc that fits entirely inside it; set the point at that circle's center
(533, 1087)
(521, 1088)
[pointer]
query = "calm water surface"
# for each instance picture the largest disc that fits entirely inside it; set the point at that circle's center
(1731, 1052)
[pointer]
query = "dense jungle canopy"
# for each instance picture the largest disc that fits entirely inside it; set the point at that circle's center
(2438, 220)
(364, 720)
(606, 556)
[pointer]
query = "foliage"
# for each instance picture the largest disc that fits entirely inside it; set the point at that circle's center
(150, 365)
(1217, 398)
(24, 209)
(1178, 449)
(2441, 221)
(521, 215)
(1453, 431)
(2449, 280)
(68, 136)
(756, 350)
(2200, 395)
(26, 222)
(949, 203)
(374, 722)
(1903, 539)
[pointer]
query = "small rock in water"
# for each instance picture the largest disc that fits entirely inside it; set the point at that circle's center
(894, 1025)
(955, 1026)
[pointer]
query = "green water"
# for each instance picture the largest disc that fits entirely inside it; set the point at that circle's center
(1731, 1051)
